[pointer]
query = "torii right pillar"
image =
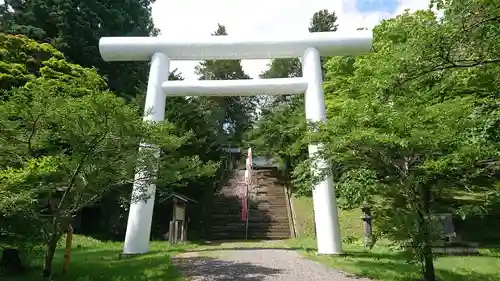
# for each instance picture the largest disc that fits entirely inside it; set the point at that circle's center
(325, 205)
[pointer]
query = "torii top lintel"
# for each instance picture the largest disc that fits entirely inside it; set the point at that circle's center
(232, 47)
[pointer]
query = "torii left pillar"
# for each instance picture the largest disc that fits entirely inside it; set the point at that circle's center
(141, 211)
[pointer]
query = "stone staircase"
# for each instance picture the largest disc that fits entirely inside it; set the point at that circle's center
(268, 215)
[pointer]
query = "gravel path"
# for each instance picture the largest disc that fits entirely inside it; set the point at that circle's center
(255, 265)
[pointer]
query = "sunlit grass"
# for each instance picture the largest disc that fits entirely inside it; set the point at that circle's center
(93, 260)
(384, 263)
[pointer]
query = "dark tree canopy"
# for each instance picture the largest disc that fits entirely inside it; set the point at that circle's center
(75, 27)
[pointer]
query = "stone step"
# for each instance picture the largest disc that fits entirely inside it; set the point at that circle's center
(220, 214)
(251, 193)
(262, 232)
(251, 205)
(277, 205)
(220, 218)
(269, 198)
(255, 223)
(253, 200)
(268, 201)
(252, 215)
(264, 236)
(256, 185)
(254, 189)
(252, 218)
(276, 210)
(234, 205)
(256, 208)
(268, 191)
(254, 192)
(278, 194)
(283, 231)
(251, 228)
(229, 220)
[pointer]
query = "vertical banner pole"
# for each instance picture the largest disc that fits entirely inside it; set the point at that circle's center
(246, 215)
(248, 183)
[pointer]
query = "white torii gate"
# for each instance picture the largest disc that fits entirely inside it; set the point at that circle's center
(310, 46)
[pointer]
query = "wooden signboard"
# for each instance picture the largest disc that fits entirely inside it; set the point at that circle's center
(180, 213)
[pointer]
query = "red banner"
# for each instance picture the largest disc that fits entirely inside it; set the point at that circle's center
(244, 208)
(248, 182)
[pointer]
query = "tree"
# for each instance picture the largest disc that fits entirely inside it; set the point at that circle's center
(67, 141)
(281, 68)
(323, 21)
(414, 123)
(280, 133)
(75, 27)
(20, 228)
(236, 112)
(280, 130)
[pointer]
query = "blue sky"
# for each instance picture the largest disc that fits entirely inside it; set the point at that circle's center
(366, 6)
(257, 18)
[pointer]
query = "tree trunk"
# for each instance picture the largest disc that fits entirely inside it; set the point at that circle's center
(51, 250)
(67, 254)
(425, 252)
(428, 259)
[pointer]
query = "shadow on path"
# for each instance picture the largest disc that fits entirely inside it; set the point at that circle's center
(215, 249)
(204, 268)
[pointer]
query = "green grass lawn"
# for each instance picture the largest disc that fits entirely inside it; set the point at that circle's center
(351, 224)
(384, 263)
(93, 260)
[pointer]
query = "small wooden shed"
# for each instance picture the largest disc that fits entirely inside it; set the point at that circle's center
(178, 225)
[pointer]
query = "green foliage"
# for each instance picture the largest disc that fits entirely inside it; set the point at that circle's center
(413, 123)
(410, 125)
(66, 141)
(280, 130)
(21, 59)
(323, 21)
(234, 114)
(75, 28)
(19, 226)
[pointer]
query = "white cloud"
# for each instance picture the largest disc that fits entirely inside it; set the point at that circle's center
(199, 18)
